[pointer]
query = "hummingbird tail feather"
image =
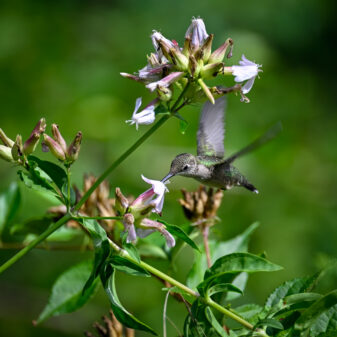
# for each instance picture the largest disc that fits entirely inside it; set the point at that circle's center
(250, 187)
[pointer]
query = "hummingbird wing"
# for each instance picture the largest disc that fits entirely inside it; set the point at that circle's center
(211, 133)
(266, 137)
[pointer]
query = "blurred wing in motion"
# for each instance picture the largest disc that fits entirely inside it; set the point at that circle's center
(211, 131)
(266, 137)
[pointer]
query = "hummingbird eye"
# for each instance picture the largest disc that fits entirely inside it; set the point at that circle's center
(185, 167)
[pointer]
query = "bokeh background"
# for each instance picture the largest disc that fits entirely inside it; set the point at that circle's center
(61, 60)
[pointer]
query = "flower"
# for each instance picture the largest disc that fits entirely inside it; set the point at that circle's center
(247, 70)
(197, 33)
(162, 45)
(147, 198)
(166, 81)
(146, 116)
(149, 226)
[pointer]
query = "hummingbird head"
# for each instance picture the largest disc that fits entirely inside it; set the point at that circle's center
(185, 164)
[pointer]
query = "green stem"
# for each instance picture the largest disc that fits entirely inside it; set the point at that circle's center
(35, 242)
(183, 287)
(68, 189)
(119, 160)
(98, 217)
(99, 180)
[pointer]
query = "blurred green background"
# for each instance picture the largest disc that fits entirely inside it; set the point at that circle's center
(61, 60)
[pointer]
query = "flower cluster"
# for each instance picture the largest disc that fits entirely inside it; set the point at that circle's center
(17, 151)
(172, 66)
(58, 146)
(136, 213)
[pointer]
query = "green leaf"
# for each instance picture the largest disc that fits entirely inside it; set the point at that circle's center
(37, 180)
(101, 247)
(325, 324)
(178, 232)
(196, 323)
(72, 194)
(226, 268)
(9, 204)
(240, 262)
(215, 324)
(308, 317)
(295, 286)
(269, 322)
(123, 316)
(130, 248)
(56, 173)
(128, 267)
(161, 109)
(223, 287)
(67, 295)
(219, 249)
(249, 312)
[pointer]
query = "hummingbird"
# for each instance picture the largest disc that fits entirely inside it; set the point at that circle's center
(209, 166)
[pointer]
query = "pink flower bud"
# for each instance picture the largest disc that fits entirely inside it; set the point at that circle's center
(58, 137)
(74, 147)
(54, 147)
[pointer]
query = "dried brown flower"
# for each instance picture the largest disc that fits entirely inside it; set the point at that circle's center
(111, 328)
(201, 206)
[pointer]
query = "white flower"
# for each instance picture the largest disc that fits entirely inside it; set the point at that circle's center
(146, 116)
(166, 81)
(159, 189)
(156, 37)
(197, 33)
(247, 70)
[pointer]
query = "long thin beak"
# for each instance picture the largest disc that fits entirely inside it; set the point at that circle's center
(170, 175)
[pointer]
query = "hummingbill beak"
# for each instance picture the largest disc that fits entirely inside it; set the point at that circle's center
(170, 175)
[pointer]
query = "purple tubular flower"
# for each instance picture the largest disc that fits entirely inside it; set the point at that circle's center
(150, 225)
(166, 81)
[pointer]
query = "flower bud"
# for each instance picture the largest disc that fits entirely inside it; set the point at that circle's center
(187, 50)
(74, 147)
(164, 94)
(7, 141)
(197, 33)
(204, 52)
(179, 59)
(219, 54)
(153, 60)
(17, 149)
(30, 144)
(128, 222)
(206, 90)
(54, 147)
(161, 43)
(58, 137)
(211, 70)
(122, 203)
(6, 153)
(193, 66)
(40, 127)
